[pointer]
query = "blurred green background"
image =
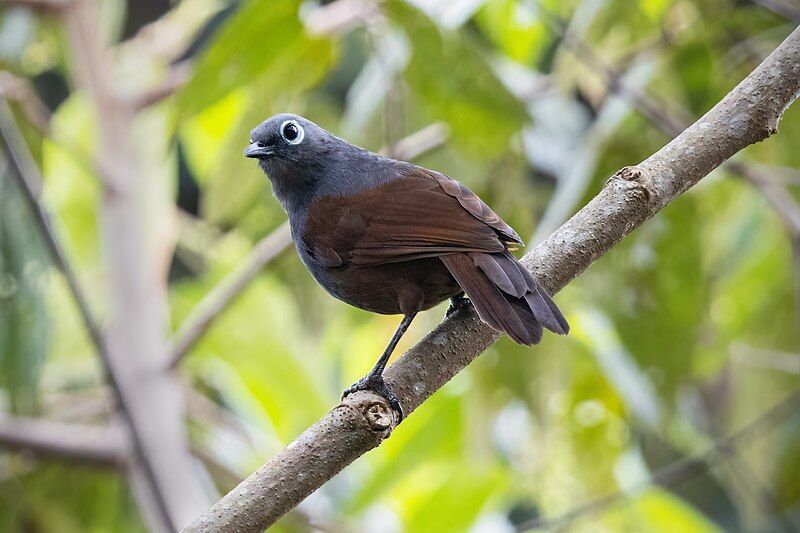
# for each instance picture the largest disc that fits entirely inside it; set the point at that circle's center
(684, 333)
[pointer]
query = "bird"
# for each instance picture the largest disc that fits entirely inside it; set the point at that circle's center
(394, 238)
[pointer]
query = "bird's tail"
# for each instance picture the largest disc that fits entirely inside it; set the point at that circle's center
(505, 295)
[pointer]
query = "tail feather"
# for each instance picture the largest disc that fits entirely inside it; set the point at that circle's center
(506, 296)
(505, 276)
(551, 317)
(534, 329)
(486, 297)
(556, 312)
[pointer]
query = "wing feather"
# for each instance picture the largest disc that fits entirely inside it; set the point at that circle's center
(419, 215)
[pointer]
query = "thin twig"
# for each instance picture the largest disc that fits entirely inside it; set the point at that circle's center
(420, 142)
(777, 360)
(775, 193)
(681, 470)
(612, 76)
(340, 16)
(21, 90)
(785, 9)
(104, 446)
(176, 77)
(653, 110)
(756, 490)
(226, 291)
(224, 294)
(787, 175)
(39, 5)
(30, 182)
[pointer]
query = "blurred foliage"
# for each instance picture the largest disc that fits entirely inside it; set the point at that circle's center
(23, 314)
(687, 330)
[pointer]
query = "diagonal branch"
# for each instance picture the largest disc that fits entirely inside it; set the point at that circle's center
(784, 8)
(773, 190)
(748, 114)
(775, 193)
(226, 292)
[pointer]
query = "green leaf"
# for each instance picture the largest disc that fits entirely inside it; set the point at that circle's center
(23, 314)
(450, 75)
(456, 502)
(659, 511)
(261, 39)
(515, 28)
(655, 292)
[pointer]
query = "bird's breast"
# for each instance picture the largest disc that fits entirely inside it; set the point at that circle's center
(393, 288)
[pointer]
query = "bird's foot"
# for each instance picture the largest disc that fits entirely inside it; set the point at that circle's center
(376, 384)
(456, 302)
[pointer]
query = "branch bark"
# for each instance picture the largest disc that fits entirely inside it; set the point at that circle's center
(748, 114)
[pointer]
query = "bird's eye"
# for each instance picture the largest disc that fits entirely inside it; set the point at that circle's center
(292, 132)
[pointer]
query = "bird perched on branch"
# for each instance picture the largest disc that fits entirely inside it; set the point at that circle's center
(395, 238)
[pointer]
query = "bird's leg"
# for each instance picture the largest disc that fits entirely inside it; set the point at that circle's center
(456, 302)
(374, 380)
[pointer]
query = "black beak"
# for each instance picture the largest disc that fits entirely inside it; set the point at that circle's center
(258, 151)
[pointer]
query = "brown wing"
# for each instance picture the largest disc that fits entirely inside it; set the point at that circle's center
(417, 216)
(477, 208)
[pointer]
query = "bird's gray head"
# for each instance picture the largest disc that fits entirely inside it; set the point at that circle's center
(287, 139)
(294, 153)
(302, 161)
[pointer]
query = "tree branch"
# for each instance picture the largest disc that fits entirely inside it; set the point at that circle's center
(785, 9)
(105, 446)
(45, 6)
(176, 77)
(340, 16)
(775, 192)
(418, 143)
(748, 114)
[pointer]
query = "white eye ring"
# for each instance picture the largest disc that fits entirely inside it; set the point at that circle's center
(300, 132)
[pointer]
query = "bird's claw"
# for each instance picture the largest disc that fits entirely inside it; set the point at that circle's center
(456, 302)
(376, 384)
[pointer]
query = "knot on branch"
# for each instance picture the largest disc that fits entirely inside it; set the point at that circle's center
(637, 176)
(380, 416)
(374, 411)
